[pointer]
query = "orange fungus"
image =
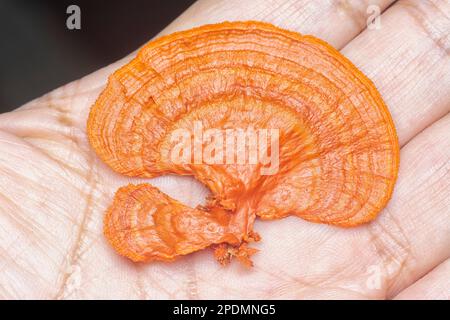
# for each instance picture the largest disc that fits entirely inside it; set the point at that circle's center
(273, 122)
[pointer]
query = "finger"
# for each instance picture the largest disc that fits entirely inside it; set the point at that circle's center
(412, 235)
(408, 59)
(434, 286)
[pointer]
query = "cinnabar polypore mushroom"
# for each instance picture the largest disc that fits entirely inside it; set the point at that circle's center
(338, 149)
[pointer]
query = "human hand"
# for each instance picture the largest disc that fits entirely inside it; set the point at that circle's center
(54, 190)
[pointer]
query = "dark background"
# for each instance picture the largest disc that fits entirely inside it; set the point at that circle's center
(38, 53)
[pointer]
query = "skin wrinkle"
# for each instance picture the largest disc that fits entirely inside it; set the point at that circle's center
(304, 283)
(431, 285)
(88, 280)
(13, 260)
(286, 278)
(356, 15)
(323, 240)
(298, 8)
(65, 120)
(18, 267)
(231, 291)
(7, 257)
(430, 141)
(352, 294)
(58, 107)
(305, 291)
(12, 173)
(160, 288)
(140, 287)
(430, 184)
(141, 282)
(441, 42)
(44, 136)
(391, 248)
(192, 286)
(344, 271)
(73, 256)
(56, 132)
(391, 257)
(66, 168)
(72, 95)
(440, 174)
(415, 85)
(22, 224)
(74, 148)
(34, 140)
(267, 11)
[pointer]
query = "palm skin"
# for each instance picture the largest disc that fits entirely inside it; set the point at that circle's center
(54, 190)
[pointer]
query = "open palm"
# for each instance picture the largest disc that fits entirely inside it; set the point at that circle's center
(54, 190)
